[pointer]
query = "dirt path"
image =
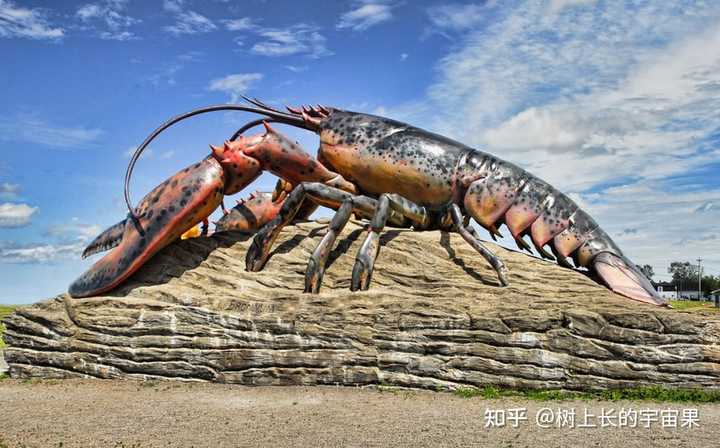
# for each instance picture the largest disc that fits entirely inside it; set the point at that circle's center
(133, 414)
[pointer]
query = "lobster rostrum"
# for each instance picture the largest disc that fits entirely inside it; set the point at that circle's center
(401, 175)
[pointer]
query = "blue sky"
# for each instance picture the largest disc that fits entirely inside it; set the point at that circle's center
(616, 103)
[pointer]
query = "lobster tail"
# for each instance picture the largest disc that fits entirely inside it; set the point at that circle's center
(624, 278)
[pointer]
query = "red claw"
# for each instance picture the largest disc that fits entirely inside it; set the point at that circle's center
(166, 213)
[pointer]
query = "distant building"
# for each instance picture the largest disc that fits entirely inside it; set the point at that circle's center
(667, 290)
(689, 295)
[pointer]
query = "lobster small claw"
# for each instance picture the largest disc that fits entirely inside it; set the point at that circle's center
(250, 215)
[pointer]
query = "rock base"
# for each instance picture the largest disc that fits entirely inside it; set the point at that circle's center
(434, 317)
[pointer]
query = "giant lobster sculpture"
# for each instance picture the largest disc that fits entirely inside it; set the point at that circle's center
(378, 168)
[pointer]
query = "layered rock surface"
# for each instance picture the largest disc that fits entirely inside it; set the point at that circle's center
(434, 317)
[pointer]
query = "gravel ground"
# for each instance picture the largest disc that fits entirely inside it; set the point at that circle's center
(82, 413)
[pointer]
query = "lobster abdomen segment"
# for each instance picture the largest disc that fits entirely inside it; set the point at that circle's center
(505, 193)
(164, 214)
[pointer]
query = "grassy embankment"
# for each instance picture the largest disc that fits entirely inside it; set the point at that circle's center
(660, 394)
(5, 310)
(694, 305)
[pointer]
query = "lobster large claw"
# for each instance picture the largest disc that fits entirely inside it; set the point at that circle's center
(163, 215)
(167, 212)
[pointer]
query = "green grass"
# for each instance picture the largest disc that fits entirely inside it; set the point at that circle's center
(5, 310)
(694, 305)
(661, 394)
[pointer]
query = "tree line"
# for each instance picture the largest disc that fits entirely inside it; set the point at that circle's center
(685, 277)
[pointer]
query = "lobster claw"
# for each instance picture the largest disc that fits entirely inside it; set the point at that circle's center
(249, 215)
(166, 213)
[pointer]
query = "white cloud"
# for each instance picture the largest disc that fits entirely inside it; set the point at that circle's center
(9, 191)
(241, 24)
(16, 21)
(297, 39)
(235, 85)
(90, 11)
(173, 5)
(29, 128)
(147, 154)
(190, 22)
(39, 253)
(191, 56)
(110, 14)
(558, 5)
(166, 155)
(705, 208)
(403, 57)
(69, 241)
(365, 15)
(455, 16)
(74, 231)
(297, 68)
(595, 95)
(16, 215)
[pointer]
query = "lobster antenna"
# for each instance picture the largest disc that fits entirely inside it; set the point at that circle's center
(260, 104)
(275, 115)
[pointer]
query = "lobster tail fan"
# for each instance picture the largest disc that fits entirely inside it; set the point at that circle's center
(624, 278)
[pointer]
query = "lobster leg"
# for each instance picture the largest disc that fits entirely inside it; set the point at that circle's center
(470, 236)
(318, 260)
(319, 193)
(366, 256)
(365, 260)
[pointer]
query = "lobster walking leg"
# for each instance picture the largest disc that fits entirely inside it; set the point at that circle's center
(366, 256)
(318, 260)
(365, 260)
(470, 236)
(321, 194)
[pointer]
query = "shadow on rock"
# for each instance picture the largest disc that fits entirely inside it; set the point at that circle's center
(177, 258)
(445, 243)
